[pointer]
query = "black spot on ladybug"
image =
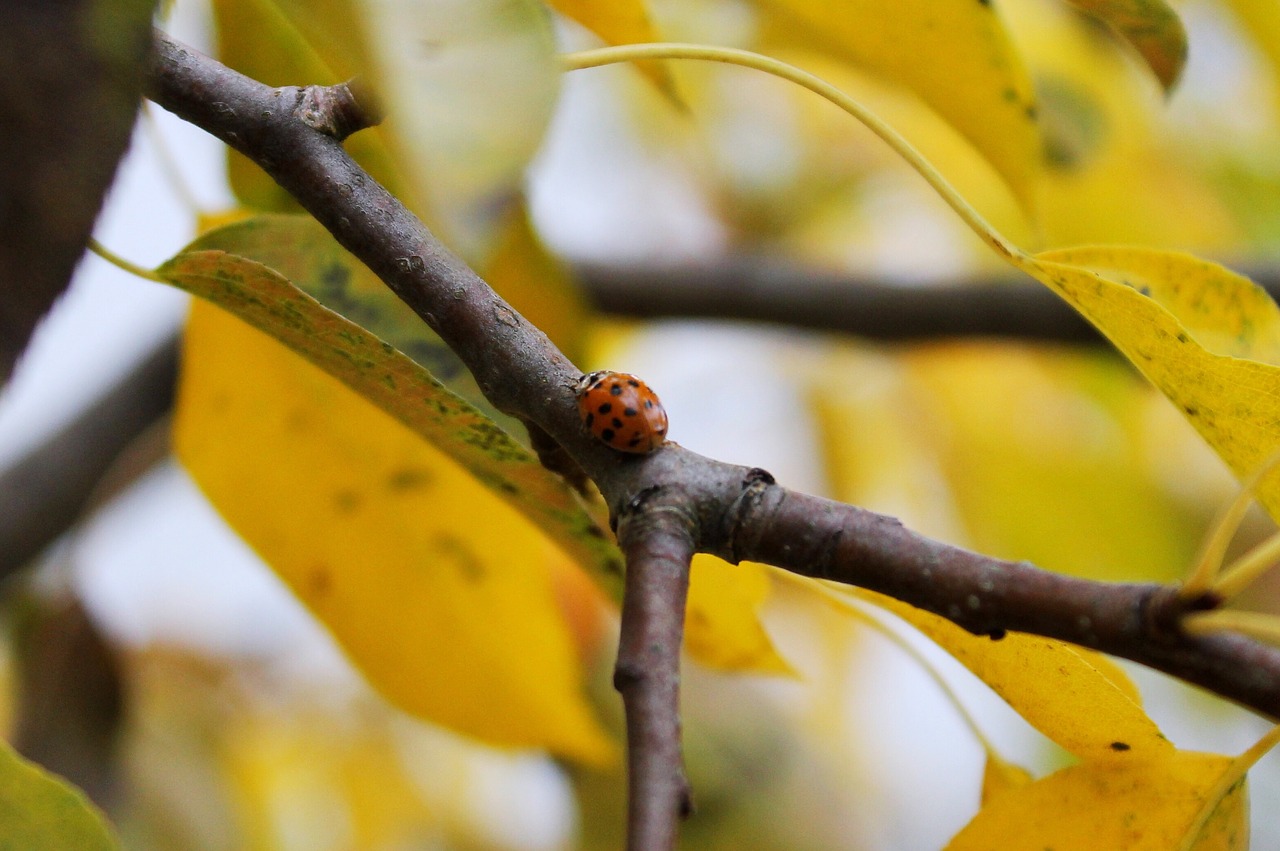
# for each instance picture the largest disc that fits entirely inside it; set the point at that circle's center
(590, 419)
(635, 441)
(607, 434)
(648, 403)
(1119, 746)
(629, 412)
(661, 429)
(633, 382)
(616, 390)
(617, 423)
(605, 408)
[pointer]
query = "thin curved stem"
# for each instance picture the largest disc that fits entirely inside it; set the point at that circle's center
(747, 59)
(120, 263)
(835, 595)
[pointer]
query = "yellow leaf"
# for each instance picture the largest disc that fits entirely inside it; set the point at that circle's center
(41, 812)
(437, 590)
(296, 43)
(1208, 338)
(954, 54)
(1262, 19)
(1079, 699)
(1146, 804)
(372, 365)
(722, 619)
(469, 87)
(999, 776)
(1152, 27)
(620, 22)
(1046, 458)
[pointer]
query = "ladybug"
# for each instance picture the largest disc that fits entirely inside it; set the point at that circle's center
(621, 410)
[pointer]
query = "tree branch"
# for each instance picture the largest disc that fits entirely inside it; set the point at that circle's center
(657, 541)
(761, 289)
(49, 488)
(734, 512)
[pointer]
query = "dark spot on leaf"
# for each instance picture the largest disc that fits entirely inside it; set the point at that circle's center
(458, 553)
(1119, 746)
(319, 580)
(996, 634)
(407, 478)
(346, 500)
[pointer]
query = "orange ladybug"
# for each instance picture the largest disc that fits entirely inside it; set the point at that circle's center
(622, 411)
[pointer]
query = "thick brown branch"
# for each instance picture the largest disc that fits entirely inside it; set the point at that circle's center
(732, 511)
(658, 544)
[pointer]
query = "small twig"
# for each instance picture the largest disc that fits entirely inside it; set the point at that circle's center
(657, 540)
(47, 490)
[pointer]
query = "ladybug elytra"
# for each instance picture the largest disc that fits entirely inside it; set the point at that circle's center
(622, 411)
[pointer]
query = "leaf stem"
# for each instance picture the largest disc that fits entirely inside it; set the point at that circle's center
(835, 595)
(120, 263)
(747, 59)
(1259, 625)
(1234, 774)
(1204, 576)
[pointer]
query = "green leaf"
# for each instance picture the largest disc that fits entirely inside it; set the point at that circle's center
(297, 43)
(469, 87)
(387, 378)
(1152, 27)
(40, 812)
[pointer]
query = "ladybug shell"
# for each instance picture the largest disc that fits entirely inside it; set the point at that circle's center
(622, 411)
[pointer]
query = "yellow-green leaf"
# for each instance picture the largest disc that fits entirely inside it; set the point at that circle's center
(620, 22)
(403, 389)
(308, 257)
(41, 812)
(469, 87)
(438, 591)
(1079, 699)
(722, 619)
(954, 54)
(296, 43)
(1152, 27)
(1147, 804)
(1208, 338)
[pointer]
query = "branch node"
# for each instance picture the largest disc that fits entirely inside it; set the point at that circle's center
(335, 110)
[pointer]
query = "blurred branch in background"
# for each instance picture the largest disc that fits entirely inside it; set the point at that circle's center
(1007, 306)
(48, 490)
